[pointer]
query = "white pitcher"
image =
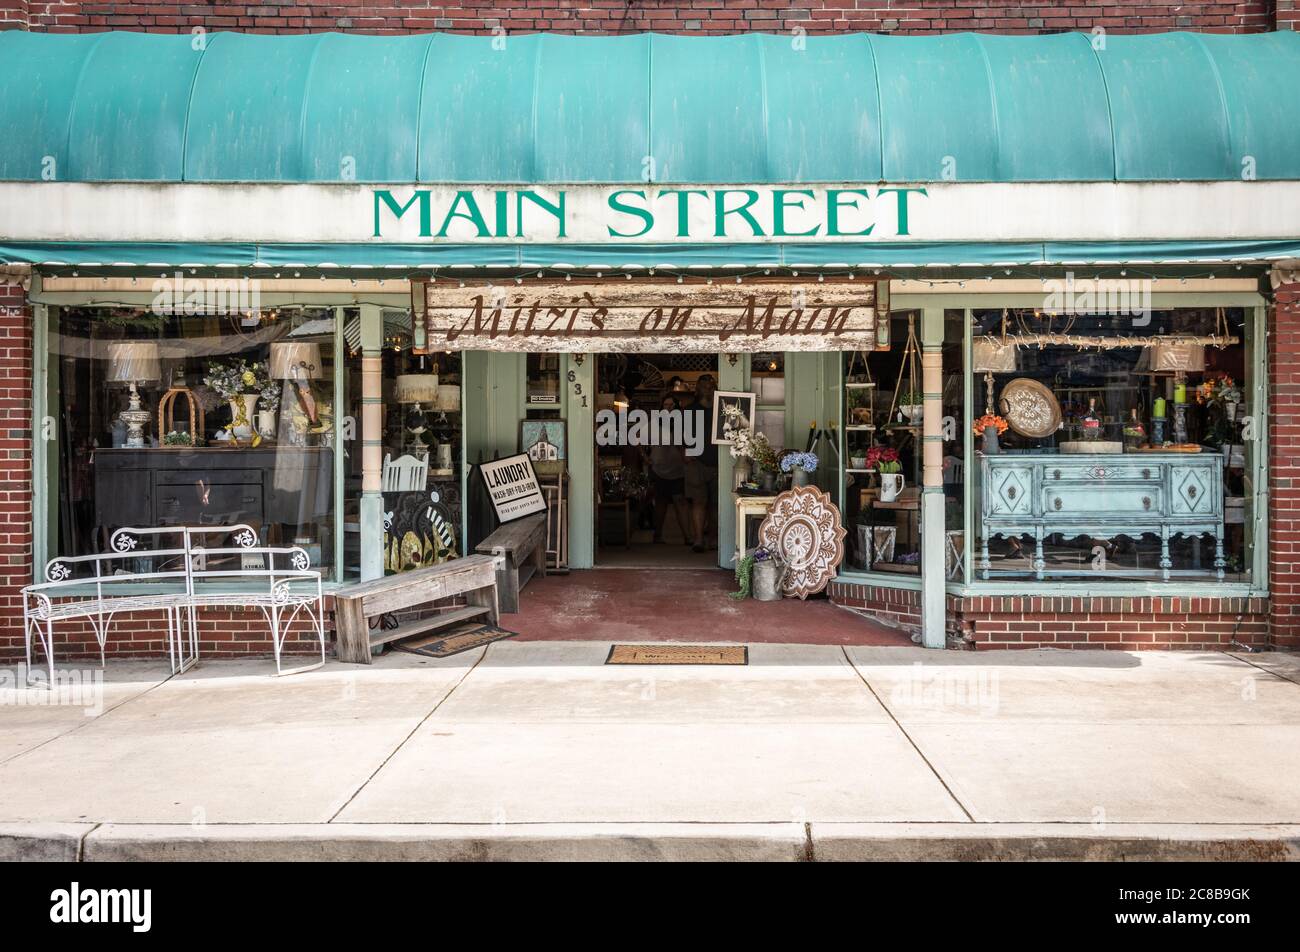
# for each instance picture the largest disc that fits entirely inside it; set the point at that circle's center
(891, 484)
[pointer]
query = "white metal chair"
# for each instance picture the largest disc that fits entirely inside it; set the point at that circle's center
(405, 474)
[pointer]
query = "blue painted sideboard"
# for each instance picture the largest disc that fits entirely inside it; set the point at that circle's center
(1102, 495)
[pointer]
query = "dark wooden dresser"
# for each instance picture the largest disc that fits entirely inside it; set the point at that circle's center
(275, 485)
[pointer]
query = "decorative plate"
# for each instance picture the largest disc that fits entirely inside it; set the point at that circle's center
(803, 529)
(1031, 409)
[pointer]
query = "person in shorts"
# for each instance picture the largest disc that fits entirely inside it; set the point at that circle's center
(702, 471)
(667, 473)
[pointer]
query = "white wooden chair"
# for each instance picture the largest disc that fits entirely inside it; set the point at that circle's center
(405, 474)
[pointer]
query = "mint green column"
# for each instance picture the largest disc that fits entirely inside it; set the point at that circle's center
(933, 541)
(578, 380)
(730, 377)
(372, 442)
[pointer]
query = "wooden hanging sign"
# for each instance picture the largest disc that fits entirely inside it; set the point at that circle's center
(652, 315)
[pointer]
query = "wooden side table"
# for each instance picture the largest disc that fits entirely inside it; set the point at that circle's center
(747, 506)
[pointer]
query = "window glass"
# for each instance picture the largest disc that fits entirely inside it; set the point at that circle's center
(195, 419)
(882, 451)
(423, 511)
(1113, 448)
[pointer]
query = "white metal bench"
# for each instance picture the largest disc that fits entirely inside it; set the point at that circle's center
(278, 581)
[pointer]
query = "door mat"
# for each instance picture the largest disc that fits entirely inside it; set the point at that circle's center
(678, 654)
(463, 638)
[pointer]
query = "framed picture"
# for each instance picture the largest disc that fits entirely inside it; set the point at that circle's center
(512, 486)
(545, 443)
(727, 398)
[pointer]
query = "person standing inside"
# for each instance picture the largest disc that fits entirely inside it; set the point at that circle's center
(667, 470)
(702, 470)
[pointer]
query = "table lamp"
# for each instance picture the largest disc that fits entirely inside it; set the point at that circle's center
(413, 390)
(134, 362)
(991, 356)
(299, 363)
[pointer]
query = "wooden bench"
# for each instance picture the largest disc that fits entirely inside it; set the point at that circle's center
(474, 576)
(521, 545)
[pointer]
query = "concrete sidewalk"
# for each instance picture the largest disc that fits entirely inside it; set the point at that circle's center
(540, 750)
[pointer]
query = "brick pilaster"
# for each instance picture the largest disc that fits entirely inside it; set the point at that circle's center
(1284, 465)
(15, 460)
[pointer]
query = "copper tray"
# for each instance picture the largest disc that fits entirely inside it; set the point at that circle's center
(1030, 408)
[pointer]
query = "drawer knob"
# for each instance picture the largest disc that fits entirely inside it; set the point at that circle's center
(1146, 474)
(1056, 503)
(1191, 491)
(1011, 492)
(1056, 474)
(1146, 502)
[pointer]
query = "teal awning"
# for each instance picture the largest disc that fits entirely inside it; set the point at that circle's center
(750, 108)
(409, 257)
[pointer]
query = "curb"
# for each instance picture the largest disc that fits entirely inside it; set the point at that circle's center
(671, 842)
(42, 842)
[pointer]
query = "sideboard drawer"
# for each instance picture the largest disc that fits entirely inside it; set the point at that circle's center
(222, 502)
(1100, 500)
(1102, 472)
(190, 477)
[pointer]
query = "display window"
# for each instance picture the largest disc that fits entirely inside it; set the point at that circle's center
(164, 419)
(1110, 448)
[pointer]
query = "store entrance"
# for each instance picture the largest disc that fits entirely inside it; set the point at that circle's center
(656, 487)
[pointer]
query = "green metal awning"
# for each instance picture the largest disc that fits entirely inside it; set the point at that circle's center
(548, 108)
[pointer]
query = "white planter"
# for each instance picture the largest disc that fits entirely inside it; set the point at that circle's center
(911, 411)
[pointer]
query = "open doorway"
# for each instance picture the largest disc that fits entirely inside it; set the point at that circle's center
(656, 483)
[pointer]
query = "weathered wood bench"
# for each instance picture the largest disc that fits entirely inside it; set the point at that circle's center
(474, 576)
(521, 545)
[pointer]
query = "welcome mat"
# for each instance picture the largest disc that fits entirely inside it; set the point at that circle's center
(678, 654)
(445, 644)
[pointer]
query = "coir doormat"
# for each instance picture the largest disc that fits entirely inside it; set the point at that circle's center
(678, 654)
(445, 644)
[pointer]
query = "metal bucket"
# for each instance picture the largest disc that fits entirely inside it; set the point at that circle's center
(765, 580)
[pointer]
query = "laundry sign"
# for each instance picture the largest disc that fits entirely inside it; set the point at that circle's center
(702, 315)
(512, 486)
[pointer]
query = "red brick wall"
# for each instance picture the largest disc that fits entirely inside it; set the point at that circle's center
(1284, 471)
(665, 16)
(15, 461)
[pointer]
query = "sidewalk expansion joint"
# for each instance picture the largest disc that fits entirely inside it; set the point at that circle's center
(903, 730)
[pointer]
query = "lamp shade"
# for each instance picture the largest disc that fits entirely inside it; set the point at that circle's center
(417, 388)
(992, 356)
(448, 397)
(133, 361)
(295, 360)
(1174, 356)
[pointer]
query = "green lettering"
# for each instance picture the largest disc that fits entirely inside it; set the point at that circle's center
(683, 207)
(471, 214)
(624, 208)
(385, 197)
(721, 211)
(834, 202)
(902, 194)
(554, 208)
(781, 201)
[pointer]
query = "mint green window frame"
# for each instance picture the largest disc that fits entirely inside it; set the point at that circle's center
(45, 395)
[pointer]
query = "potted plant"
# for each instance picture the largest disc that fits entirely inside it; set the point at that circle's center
(240, 383)
(884, 460)
(759, 574)
(990, 426)
(799, 466)
(859, 407)
(910, 405)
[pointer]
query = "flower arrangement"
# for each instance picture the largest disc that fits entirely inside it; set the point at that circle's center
(884, 459)
(178, 438)
(1218, 388)
(805, 461)
(987, 420)
(239, 377)
(745, 443)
